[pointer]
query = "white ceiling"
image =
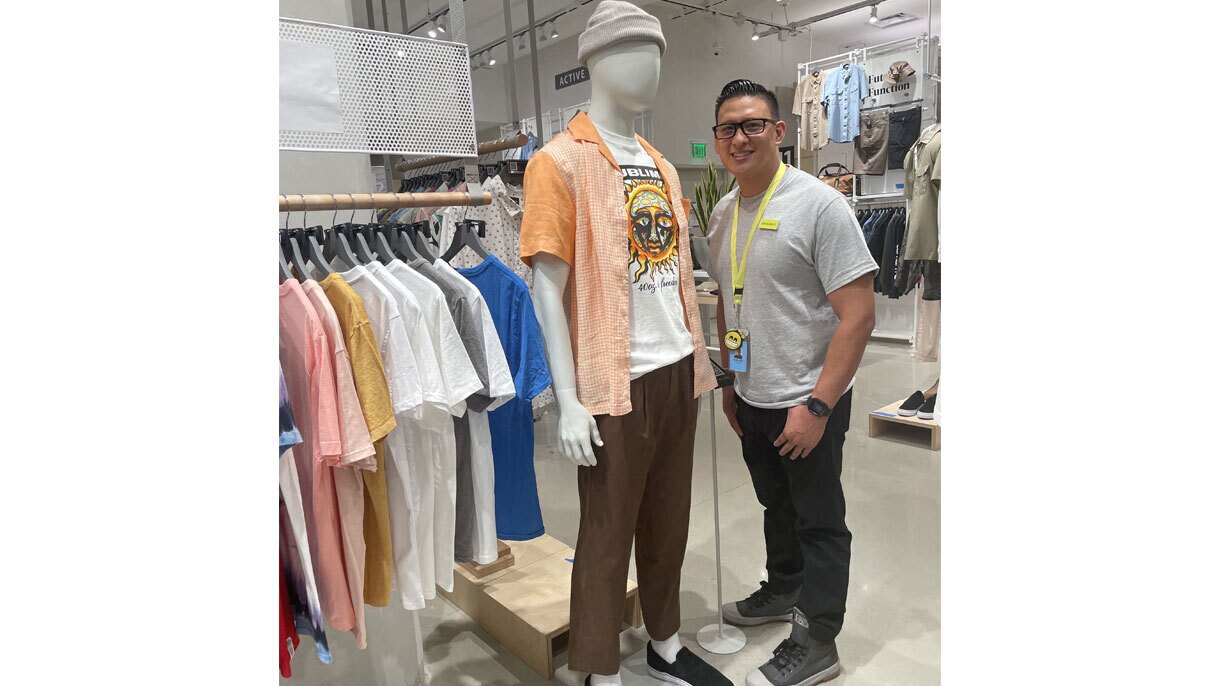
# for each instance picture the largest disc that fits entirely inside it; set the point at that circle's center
(485, 23)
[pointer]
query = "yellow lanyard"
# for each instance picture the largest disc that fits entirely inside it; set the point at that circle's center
(739, 269)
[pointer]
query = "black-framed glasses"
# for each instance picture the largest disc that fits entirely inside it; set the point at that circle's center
(750, 127)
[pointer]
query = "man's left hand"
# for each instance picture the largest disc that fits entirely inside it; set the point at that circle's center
(802, 433)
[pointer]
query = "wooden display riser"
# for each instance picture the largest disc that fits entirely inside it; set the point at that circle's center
(526, 607)
(879, 420)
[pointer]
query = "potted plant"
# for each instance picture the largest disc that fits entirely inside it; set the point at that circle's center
(712, 187)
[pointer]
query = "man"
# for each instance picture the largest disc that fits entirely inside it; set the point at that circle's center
(795, 312)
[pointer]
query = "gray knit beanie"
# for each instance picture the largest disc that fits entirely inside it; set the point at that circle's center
(614, 22)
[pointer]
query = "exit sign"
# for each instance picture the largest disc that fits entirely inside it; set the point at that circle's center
(698, 150)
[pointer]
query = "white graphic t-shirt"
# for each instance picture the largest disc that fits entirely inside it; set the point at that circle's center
(659, 336)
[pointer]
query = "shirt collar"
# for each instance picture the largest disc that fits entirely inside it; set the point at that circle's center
(582, 129)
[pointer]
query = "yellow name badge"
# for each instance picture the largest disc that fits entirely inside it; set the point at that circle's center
(769, 224)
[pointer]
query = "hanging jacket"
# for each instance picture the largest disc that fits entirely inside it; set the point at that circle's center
(876, 246)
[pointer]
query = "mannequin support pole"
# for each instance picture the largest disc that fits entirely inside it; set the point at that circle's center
(719, 638)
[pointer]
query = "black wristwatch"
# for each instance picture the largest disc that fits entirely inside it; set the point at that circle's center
(817, 408)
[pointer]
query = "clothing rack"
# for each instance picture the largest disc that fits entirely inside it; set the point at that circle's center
(893, 106)
(874, 200)
(379, 201)
(508, 143)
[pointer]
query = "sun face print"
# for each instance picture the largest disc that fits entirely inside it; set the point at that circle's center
(654, 236)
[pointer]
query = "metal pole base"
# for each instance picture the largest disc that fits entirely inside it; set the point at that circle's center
(721, 639)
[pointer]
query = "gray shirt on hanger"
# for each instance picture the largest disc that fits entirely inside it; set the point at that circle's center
(470, 329)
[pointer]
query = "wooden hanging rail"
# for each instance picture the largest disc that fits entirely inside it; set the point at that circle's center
(377, 201)
(514, 141)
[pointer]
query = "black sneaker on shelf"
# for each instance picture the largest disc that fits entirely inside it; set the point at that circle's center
(911, 406)
(929, 406)
(688, 670)
(799, 660)
(762, 606)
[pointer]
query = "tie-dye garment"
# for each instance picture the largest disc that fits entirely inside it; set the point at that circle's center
(289, 436)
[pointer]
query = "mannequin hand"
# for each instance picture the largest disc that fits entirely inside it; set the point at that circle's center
(577, 429)
(729, 396)
(802, 433)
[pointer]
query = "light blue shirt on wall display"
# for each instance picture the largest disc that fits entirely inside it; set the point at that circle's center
(846, 87)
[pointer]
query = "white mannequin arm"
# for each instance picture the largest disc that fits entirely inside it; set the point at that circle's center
(577, 428)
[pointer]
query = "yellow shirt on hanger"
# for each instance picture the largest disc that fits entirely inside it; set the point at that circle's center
(374, 394)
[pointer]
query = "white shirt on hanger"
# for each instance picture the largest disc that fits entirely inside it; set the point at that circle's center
(398, 358)
(460, 380)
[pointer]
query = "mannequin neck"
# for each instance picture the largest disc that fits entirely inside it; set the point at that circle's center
(610, 115)
(757, 183)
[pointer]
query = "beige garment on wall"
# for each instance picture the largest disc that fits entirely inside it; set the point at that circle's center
(808, 104)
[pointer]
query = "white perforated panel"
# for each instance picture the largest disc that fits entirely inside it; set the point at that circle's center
(399, 94)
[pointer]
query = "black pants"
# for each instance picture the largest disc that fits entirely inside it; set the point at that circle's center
(808, 544)
(904, 131)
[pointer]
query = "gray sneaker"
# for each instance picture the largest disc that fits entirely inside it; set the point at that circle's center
(799, 660)
(761, 607)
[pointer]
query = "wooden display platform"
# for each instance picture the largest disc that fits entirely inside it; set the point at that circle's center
(504, 560)
(526, 607)
(879, 419)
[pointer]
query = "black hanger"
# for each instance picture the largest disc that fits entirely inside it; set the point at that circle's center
(381, 243)
(356, 234)
(465, 237)
(400, 240)
(288, 247)
(416, 232)
(364, 235)
(285, 270)
(310, 240)
(336, 243)
(292, 250)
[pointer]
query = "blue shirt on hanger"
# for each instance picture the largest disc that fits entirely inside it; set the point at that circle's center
(518, 513)
(845, 88)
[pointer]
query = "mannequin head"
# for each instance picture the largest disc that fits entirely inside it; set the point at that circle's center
(625, 76)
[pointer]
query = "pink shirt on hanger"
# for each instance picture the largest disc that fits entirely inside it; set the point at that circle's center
(357, 453)
(305, 356)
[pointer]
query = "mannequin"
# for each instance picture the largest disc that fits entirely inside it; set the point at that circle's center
(625, 79)
(605, 233)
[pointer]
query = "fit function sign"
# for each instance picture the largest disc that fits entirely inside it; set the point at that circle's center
(698, 150)
(571, 77)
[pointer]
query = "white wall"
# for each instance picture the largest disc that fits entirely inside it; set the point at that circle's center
(392, 657)
(691, 78)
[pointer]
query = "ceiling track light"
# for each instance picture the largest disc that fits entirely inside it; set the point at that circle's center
(521, 43)
(542, 33)
(491, 58)
(443, 23)
(754, 36)
(432, 29)
(554, 32)
(872, 17)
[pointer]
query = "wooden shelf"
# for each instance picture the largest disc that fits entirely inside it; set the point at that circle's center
(878, 420)
(526, 607)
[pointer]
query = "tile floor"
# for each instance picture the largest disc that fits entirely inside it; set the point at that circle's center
(892, 632)
(892, 483)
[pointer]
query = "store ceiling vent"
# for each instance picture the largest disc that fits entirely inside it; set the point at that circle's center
(894, 20)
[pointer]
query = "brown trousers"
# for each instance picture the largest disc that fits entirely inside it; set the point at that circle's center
(640, 489)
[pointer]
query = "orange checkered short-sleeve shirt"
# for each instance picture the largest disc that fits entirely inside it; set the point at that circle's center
(574, 210)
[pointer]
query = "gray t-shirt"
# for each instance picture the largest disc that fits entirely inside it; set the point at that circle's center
(470, 329)
(817, 248)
